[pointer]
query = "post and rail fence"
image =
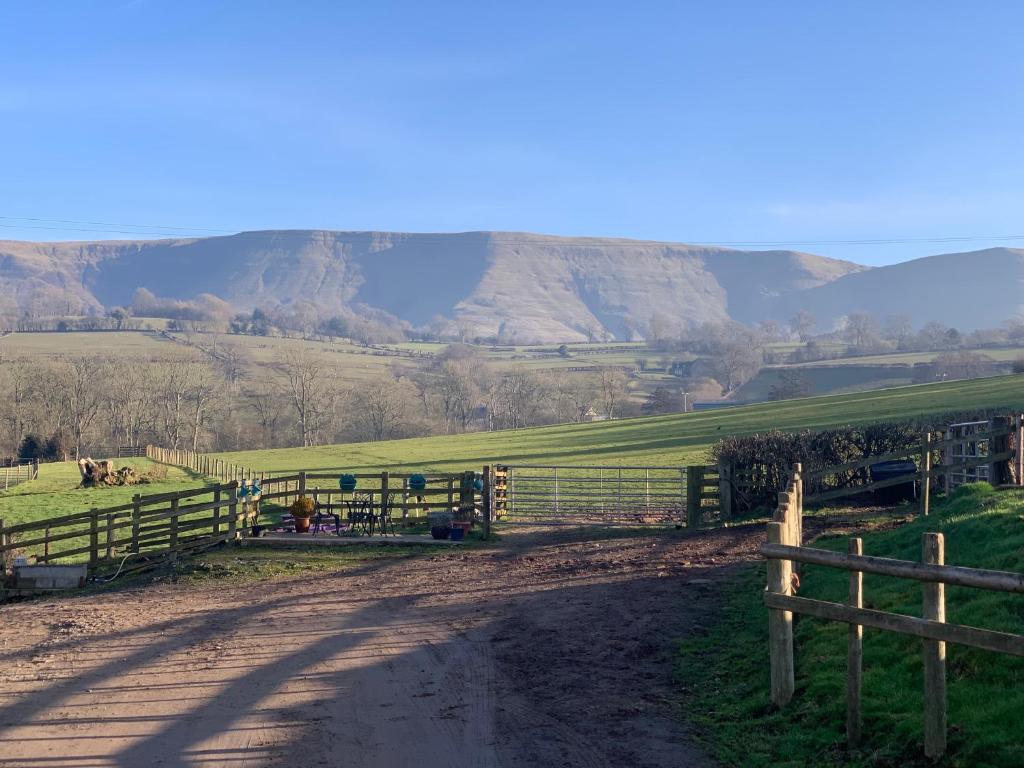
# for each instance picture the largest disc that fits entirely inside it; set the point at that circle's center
(696, 496)
(18, 473)
(785, 552)
(154, 525)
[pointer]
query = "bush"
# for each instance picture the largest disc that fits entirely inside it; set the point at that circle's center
(302, 507)
(769, 456)
(31, 447)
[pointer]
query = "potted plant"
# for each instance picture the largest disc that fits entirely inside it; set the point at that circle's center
(302, 510)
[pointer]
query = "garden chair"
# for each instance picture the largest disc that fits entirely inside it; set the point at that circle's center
(322, 511)
(383, 516)
(360, 513)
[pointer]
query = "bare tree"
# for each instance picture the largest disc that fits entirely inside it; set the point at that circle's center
(736, 364)
(386, 410)
(266, 405)
(802, 324)
(311, 392)
(82, 396)
(612, 385)
(861, 329)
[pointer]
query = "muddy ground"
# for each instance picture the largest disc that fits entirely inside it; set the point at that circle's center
(549, 648)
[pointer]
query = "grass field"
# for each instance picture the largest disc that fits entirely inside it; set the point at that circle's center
(56, 492)
(662, 440)
(725, 674)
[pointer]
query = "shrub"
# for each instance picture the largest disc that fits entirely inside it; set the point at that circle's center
(302, 507)
(31, 447)
(769, 456)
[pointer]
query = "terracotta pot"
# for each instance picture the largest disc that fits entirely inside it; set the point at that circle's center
(301, 524)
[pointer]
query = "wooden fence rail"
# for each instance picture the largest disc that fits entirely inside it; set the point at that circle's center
(785, 552)
(155, 525)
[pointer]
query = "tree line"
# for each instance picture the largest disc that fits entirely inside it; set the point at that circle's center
(65, 408)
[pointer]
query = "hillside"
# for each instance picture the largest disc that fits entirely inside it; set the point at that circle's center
(979, 289)
(520, 286)
(660, 440)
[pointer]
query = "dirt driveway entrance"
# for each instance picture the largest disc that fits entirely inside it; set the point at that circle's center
(549, 649)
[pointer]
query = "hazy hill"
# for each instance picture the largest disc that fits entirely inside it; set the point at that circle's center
(522, 286)
(978, 289)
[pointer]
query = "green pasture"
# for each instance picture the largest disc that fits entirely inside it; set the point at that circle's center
(56, 492)
(662, 440)
(725, 678)
(826, 379)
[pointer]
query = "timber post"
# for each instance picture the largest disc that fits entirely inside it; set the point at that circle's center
(780, 623)
(855, 653)
(136, 521)
(486, 502)
(233, 510)
(926, 472)
(725, 468)
(933, 550)
(694, 481)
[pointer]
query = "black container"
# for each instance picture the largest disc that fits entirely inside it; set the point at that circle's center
(890, 470)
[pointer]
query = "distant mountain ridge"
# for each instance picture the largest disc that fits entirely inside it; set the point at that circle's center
(521, 287)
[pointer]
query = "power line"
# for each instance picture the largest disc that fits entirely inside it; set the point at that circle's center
(511, 238)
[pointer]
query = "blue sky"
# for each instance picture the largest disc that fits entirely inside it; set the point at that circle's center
(795, 122)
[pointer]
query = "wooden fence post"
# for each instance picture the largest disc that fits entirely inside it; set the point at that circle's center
(451, 493)
(216, 512)
(385, 476)
(999, 474)
(487, 503)
(233, 509)
(933, 550)
(94, 537)
(1019, 450)
(694, 481)
(136, 520)
(110, 536)
(855, 653)
(780, 623)
(725, 488)
(302, 483)
(3, 552)
(926, 472)
(173, 545)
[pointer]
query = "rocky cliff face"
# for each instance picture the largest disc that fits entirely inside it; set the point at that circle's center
(523, 287)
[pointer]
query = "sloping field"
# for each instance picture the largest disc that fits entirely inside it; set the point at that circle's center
(675, 439)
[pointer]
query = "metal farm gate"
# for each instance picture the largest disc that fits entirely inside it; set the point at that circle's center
(550, 495)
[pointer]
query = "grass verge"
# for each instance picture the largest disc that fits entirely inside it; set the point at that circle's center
(724, 675)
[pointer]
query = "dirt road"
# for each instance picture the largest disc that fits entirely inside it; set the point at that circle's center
(549, 649)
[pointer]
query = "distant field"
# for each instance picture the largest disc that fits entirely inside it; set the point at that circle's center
(86, 344)
(826, 379)
(911, 358)
(669, 440)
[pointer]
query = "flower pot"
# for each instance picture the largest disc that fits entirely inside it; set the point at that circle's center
(301, 524)
(440, 531)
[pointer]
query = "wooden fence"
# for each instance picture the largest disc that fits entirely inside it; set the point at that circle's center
(442, 491)
(211, 466)
(785, 552)
(162, 524)
(20, 473)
